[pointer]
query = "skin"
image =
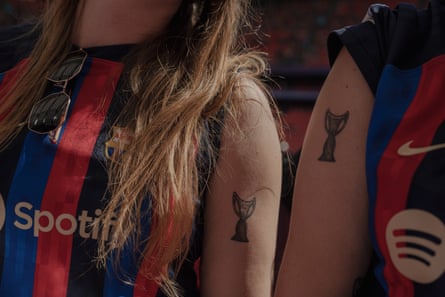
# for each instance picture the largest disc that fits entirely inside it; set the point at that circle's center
(108, 22)
(249, 163)
(328, 246)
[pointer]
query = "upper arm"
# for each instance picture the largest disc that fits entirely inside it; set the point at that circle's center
(328, 246)
(238, 252)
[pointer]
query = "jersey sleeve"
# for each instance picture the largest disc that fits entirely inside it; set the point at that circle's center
(385, 36)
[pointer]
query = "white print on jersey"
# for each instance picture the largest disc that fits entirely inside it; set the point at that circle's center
(416, 243)
(408, 150)
(27, 218)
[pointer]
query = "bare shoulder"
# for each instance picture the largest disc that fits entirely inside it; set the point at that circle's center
(250, 145)
(254, 110)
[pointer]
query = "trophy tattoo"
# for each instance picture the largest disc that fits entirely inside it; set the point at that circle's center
(334, 124)
(243, 209)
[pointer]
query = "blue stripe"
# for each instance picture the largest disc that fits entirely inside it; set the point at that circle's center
(121, 275)
(28, 186)
(397, 88)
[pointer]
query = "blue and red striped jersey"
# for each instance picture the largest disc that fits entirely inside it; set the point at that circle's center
(51, 195)
(401, 53)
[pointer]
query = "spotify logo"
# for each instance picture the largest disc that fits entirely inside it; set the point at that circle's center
(416, 243)
(87, 223)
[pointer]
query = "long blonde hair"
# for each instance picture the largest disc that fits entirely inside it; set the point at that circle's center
(179, 82)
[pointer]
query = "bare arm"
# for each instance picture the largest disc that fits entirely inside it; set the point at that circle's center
(328, 247)
(242, 206)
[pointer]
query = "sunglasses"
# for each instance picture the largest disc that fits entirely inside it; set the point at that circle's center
(49, 113)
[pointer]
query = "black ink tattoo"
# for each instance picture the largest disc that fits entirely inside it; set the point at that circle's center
(357, 286)
(243, 209)
(334, 124)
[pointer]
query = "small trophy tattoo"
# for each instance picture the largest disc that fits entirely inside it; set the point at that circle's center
(334, 124)
(243, 209)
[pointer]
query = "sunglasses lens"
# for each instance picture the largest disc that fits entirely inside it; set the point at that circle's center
(70, 67)
(49, 113)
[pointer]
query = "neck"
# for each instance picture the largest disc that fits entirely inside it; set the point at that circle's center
(109, 22)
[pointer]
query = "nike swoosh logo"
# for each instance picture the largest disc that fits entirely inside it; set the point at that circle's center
(407, 150)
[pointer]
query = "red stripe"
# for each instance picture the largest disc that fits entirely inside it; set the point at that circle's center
(66, 179)
(145, 285)
(396, 172)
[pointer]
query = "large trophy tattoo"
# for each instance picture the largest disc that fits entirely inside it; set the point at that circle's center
(243, 209)
(334, 124)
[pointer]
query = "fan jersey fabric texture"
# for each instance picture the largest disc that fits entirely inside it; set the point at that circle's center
(401, 54)
(50, 194)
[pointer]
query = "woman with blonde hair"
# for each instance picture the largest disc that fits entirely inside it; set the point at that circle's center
(139, 152)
